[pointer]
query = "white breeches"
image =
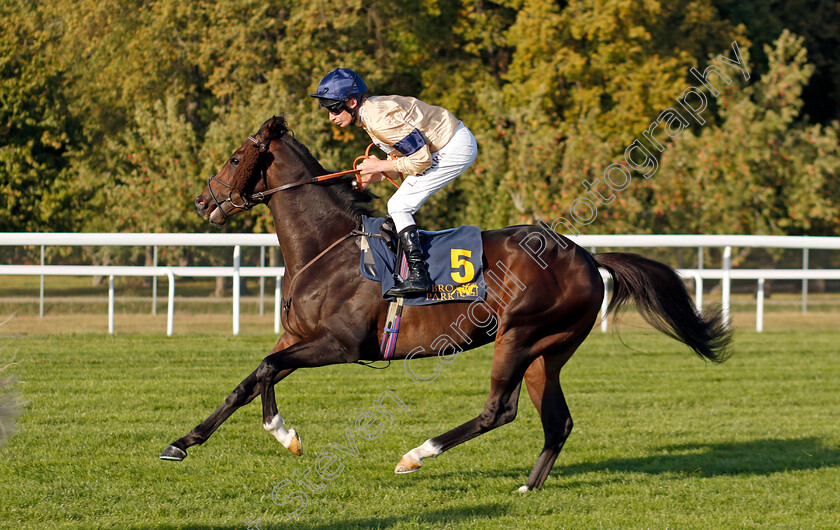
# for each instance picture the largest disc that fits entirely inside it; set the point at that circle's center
(455, 158)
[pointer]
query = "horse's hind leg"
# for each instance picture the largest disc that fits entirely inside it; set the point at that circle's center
(505, 382)
(543, 383)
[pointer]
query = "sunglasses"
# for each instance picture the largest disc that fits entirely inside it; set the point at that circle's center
(336, 108)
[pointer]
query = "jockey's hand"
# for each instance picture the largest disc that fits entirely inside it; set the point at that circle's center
(372, 165)
(373, 170)
(364, 181)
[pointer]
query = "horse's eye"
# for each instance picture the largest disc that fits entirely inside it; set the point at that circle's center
(234, 160)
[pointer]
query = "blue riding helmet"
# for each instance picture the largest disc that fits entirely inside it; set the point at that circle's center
(340, 85)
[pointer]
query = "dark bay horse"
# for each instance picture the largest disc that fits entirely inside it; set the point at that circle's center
(538, 310)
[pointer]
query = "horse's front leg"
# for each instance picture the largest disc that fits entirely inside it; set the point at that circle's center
(243, 394)
(319, 352)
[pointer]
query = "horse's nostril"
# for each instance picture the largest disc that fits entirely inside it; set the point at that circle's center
(199, 202)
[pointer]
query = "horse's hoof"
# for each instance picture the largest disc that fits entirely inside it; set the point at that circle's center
(522, 489)
(294, 445)
(173, 453)
(407, 465)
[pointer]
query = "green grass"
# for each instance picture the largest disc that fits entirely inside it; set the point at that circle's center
(661, 439)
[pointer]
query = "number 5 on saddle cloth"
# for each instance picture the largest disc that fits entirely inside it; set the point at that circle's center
(454, 258)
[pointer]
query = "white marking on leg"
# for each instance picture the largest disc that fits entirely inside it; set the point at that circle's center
(427, 449)
(279, 431)
(410, 461)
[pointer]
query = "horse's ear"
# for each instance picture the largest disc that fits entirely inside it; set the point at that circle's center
(273, 128)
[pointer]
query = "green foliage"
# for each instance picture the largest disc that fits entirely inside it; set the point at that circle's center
(817, 22)
(763, 170)
(153, 186)
(35, 126)
(113, 114)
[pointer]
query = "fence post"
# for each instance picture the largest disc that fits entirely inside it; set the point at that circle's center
(804, 281)
(698, 282)
(759, 307)
(698, 293)
(262, 282)
(41, 312)
(726, 284)
(170, 310)
(154, 282)
(111, 304)
(237, 256)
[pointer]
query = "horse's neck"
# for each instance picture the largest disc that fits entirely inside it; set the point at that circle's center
(308, 219)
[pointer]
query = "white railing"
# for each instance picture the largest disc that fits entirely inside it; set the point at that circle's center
(236, 271)
(726, 273)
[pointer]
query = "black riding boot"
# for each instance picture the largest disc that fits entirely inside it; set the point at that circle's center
(418, 281)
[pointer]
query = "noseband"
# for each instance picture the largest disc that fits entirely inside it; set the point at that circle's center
(249, 202)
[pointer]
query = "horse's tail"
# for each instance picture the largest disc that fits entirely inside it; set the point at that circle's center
(662, 299)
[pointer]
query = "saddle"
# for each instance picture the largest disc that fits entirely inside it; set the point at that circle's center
(454, 257)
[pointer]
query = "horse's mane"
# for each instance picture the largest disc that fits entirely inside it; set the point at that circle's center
(355, 201)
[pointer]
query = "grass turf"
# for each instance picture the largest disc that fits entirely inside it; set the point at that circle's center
(661, 439)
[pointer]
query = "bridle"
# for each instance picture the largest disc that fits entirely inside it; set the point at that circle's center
(244, 205)
(260, 197)
(247, 203)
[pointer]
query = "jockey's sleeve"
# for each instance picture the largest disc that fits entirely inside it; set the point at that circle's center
(414, 129)
(406, 140)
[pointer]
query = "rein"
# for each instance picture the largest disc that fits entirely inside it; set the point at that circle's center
(263, 194)
(257, 198)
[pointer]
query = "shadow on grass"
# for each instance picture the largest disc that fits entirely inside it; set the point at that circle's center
(427, 519)
(756, 457)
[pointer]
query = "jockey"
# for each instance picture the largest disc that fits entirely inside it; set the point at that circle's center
(425, 142)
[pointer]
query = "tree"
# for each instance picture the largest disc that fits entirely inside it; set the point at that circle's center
(157, 179)
(815, 21)
(762, 170)
(35, 126)
(553, 91)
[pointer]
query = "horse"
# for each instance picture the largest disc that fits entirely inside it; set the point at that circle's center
(538, 311)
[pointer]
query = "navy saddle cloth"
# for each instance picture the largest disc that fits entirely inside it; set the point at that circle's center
(454, 257)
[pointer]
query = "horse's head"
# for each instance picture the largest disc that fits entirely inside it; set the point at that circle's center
(238, 185)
